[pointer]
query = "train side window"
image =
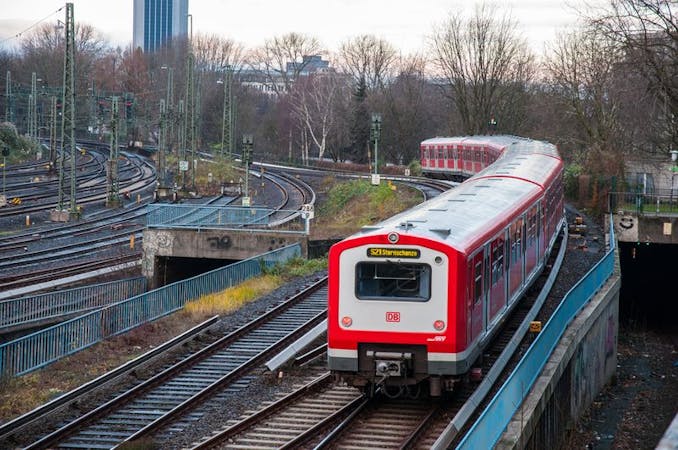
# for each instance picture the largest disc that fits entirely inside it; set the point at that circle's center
(478, 281)
(516, 242)
(531, 227)
(391, 280)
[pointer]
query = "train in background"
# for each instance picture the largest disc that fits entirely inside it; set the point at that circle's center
(413, 300)
(454, 159)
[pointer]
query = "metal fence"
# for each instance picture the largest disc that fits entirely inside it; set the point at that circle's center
(497, 415)
(36, 350)
(24, 311)
(200, 216)
(660, 202)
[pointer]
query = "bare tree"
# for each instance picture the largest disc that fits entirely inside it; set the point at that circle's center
(134, 77)
(313, 105)
(213, 53)
(648, 31)
(410, 105)
(368, 58)
(487, 67)
(42, 52)
(583, 68)
(282, 59)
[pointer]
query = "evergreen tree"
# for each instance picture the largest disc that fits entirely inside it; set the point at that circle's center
(360, 131)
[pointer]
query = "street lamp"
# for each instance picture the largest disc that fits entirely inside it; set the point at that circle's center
(375, 132)
(246, 153)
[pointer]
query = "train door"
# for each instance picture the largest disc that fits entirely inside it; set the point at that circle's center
(542, 226)
(523, 248)
(540, 234)
(455, 157)
(531, 247)
(516, 256)
(476, 316)
(497, 278)
(486, 286)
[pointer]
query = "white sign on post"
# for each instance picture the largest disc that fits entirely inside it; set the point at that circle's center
(183, 166)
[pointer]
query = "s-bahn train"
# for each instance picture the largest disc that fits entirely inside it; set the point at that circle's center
(413, 300)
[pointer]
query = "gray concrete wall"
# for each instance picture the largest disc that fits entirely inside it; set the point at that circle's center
(212, 244)
(582, 363)
(629, 227)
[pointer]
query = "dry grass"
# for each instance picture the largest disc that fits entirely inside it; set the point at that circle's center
(232, 298)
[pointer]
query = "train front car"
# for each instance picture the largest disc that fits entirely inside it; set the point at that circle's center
(388, 309)
(417, 297)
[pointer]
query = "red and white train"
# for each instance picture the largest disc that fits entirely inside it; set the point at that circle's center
(416, 297)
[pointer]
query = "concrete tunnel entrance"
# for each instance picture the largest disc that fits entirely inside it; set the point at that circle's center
(649, 290)
(170, 269)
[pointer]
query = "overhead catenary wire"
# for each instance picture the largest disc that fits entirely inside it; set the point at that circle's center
(15, 36)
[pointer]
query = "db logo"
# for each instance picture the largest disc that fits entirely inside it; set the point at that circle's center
(392, 316)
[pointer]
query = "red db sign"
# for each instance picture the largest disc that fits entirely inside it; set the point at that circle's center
(392, 316)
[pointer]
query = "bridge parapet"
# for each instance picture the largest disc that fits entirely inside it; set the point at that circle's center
(218, 232)
(647, 218)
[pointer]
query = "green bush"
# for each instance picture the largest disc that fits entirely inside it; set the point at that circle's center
(340, 195)
(415, 168)
(297, 267)
(20, 148)
(571, 180)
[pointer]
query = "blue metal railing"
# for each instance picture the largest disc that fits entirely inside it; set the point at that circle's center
(36, 350)
(24, 311)
(489, 427)
(190, 216)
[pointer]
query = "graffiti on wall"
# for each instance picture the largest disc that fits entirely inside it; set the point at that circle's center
(219, 243)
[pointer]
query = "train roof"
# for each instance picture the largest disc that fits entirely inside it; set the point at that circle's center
(465, 215)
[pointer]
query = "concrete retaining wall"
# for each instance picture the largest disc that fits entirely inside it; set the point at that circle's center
(582, 363)
(211, 244)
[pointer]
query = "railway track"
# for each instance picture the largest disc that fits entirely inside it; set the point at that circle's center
(104, 237)
(321, 414)
(135, 175)
(167, 398)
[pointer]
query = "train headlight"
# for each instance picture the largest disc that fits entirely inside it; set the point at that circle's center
(439, 325)
(346, 321)
(393, 238)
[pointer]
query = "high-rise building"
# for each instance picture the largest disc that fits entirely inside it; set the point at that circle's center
(156, 22)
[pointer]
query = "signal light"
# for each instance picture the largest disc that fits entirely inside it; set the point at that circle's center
(346, 321)
(393, 238)
(439, 325)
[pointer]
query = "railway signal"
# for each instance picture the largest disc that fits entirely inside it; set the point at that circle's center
(246, 153)
(375, 132)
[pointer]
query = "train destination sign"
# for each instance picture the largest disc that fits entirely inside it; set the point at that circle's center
(384, 252)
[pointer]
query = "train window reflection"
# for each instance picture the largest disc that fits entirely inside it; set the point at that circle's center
(391, 280)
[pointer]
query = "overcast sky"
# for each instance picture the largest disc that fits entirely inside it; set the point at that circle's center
(404, 23)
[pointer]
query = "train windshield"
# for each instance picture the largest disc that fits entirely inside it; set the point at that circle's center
(391, 280)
